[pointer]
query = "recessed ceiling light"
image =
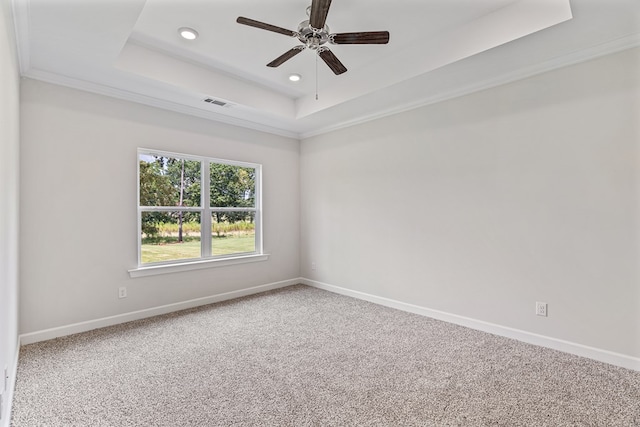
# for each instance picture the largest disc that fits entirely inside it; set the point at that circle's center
(188, 33)
(295, 77)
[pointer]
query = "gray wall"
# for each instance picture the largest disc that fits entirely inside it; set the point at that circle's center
(478, 206)
(78, 205)
(9, 141)
(485, 204)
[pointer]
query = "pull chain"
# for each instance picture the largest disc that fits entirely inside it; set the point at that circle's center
(317, 76)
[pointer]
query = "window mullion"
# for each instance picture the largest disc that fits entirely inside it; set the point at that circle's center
(170, 209)
(139, 225)
(139, 211)
(205, 220)
(215, 209)
(258, 212)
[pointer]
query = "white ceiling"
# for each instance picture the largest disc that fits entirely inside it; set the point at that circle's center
(438, 49)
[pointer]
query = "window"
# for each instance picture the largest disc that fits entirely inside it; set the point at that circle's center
(194, 208)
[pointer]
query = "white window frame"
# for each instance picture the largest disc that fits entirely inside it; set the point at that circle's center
(206, 259)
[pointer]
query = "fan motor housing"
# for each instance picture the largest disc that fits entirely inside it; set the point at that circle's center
(312, 37)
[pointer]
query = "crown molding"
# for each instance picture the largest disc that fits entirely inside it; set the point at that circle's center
(21, 25)
(608, 48)
(100, 89)
(22, 29)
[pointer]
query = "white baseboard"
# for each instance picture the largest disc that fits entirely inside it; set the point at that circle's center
(13, 371)
(75, 328)
(600, 355)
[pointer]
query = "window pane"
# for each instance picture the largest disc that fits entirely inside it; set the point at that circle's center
(170, 236)
(233, 233)
(169, 181)
(232, 186)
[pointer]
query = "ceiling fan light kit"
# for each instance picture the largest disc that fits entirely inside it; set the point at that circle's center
(314, 34)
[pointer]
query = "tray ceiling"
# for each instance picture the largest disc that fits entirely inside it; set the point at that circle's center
(438, 49)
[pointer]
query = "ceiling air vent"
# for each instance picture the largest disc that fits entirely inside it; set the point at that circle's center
(217, 102)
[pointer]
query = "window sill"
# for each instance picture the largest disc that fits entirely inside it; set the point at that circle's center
(194, 265)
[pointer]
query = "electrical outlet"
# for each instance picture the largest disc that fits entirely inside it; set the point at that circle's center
(122, 292)
(313, 266)
(541, 309)
(6, 378)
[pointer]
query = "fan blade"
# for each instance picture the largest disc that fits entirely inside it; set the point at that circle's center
(332, 61)
(318, 15)
(286, 56)
(263, 26)
(371, 37)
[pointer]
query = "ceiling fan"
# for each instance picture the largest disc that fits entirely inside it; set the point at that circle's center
(314, 34)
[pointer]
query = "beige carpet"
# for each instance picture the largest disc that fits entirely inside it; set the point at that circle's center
(305, 357)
